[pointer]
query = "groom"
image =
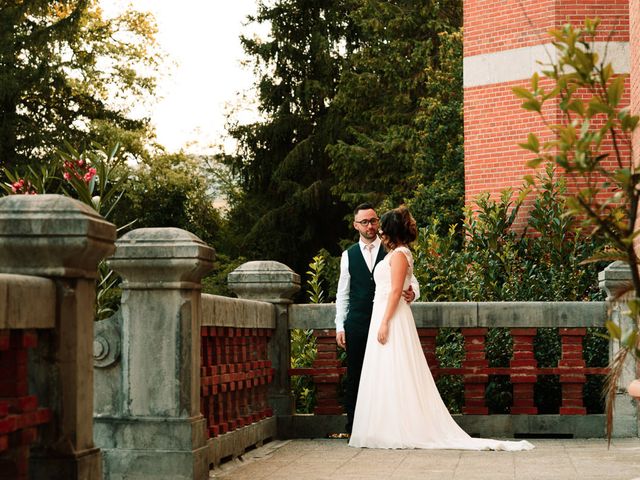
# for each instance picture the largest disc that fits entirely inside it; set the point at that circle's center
(354, 299)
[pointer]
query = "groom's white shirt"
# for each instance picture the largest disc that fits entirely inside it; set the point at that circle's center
(344, 283)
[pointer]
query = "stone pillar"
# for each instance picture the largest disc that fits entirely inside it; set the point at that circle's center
(275, 283)
(625, 417)
(63, 239)
(157, 430)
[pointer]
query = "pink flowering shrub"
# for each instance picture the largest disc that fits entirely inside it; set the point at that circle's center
(23, 187)
(79, 169)
(95, 177)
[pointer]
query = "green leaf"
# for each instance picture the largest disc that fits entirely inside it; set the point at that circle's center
(630, 339)
(523, 93)
(533, 105)
(615, 90)
(596, 106)
(552, 93)
(629, 123)
(634, 308)
(535, 163)
(622, 176)
(532, 143)
(534, 81)
(576, 105)
(613, 329)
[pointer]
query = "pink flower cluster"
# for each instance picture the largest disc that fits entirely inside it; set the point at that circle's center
(79, 169)
(23, 187)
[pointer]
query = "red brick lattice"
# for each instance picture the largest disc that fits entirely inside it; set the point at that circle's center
(235, 375)
(327, 373)
(523, 370)
(19, 412)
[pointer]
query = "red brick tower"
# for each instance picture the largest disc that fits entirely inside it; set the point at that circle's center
(503, 40)
(634, 22)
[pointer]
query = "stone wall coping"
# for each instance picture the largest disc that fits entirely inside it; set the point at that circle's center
(161, 243)
(218, 311)
(472, 314)
(18, 310)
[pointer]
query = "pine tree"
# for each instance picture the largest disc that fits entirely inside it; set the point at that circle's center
(286, 210)
(401, 101)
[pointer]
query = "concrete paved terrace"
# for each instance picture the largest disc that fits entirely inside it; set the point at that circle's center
(334, 459)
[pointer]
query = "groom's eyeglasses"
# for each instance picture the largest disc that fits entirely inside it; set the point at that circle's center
(368, 221)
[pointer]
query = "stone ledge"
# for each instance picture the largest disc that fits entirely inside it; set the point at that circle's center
(161, 258)
(149, 433)
(500, 426)
(472, 314)
(17, 306)
(234, 444)
(264, 280)
(220, 311)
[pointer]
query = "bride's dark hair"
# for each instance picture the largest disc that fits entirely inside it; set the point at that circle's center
(398, 227)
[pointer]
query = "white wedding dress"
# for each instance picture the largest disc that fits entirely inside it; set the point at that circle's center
(398, 403)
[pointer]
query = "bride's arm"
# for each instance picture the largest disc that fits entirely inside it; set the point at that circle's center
(399, 266)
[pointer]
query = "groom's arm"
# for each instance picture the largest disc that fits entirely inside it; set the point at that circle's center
(342, 299)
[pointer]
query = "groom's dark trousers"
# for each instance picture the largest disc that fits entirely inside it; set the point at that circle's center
(356, 325)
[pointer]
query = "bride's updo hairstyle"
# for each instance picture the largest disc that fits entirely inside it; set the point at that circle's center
(398, 227)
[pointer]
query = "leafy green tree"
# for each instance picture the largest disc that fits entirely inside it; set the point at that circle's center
(69, 74)
(168, 190)
(401, 100)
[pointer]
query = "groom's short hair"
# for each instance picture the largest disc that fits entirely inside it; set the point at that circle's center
(363, 206)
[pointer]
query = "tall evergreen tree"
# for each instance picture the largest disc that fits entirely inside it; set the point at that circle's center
(362, 100)
(286, 211)
(68, 74)
(401, 102)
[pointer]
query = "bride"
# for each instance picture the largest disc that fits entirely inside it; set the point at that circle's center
(398, 403)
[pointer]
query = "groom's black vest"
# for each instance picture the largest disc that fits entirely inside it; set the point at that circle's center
(361, 288)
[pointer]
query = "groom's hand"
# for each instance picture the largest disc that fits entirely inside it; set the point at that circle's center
(409, 295)
(341, 340)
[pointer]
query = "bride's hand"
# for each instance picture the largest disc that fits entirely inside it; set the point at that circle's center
(383, 333)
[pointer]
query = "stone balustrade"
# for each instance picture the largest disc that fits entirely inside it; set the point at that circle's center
(522, 319)
(177, 380)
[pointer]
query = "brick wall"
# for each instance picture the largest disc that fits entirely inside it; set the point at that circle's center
(634, 20)
(494, 122)
(491, 25)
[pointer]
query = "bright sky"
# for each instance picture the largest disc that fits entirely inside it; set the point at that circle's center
(201, 39)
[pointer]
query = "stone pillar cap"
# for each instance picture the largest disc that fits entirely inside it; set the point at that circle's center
(52, 236)
(161, 258)
(614, 278)
(264, 280)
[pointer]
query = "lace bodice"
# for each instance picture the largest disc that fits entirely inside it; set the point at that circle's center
(382, 272)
